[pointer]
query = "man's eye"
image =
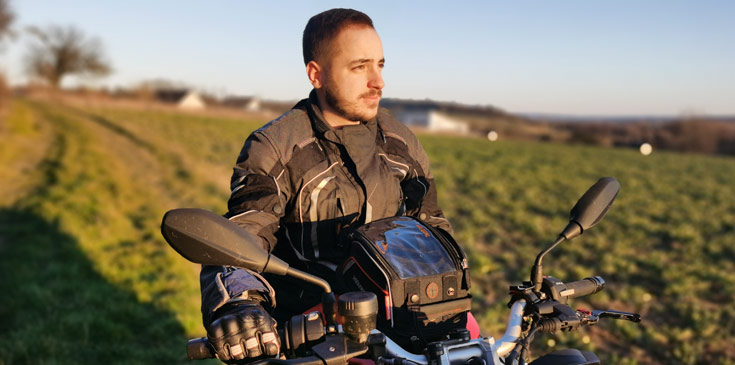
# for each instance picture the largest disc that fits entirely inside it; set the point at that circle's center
(360, 67)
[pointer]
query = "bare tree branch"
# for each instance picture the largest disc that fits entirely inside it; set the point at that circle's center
(62, 51)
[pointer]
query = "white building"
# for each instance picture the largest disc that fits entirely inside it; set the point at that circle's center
(185, 99)
(247, 103)
(432, 120)
(425, 114)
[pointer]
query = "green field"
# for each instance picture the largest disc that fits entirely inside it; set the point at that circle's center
(86, 277)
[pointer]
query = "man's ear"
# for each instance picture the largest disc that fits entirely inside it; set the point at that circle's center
(314, 73)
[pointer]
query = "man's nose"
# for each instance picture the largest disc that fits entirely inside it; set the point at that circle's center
(376, 79)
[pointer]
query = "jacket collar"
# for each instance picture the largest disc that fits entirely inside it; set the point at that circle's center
(319, 124)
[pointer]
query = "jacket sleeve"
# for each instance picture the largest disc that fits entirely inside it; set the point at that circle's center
(257, 202)
(222, 285)
(422, 186)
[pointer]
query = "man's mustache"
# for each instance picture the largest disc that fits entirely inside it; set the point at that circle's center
(372, 93)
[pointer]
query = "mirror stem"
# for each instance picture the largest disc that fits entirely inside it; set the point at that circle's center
(329, 306)
(537, 277)
(329, 301)
(310, 279)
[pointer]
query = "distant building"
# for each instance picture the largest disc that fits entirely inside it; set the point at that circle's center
(248, 103)
(425, 114)
(185, 99)
(432, 120)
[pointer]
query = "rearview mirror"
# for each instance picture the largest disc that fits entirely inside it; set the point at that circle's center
(589, 210)
(592, 206)
(209, 239)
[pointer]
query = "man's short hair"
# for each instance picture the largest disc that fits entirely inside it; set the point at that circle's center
(324, 27)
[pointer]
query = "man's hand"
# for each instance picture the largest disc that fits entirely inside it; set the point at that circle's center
(244, 331)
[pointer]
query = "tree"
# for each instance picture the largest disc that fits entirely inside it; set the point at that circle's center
(6, 19)
(62, 51)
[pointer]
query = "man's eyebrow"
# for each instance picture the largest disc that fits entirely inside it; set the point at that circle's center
(365, 60)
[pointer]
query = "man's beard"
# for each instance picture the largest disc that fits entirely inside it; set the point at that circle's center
(346, 109)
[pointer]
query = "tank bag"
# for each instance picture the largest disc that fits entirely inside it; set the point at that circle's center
(419, 274)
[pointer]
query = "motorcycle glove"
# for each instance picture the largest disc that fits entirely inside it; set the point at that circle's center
(243, 331)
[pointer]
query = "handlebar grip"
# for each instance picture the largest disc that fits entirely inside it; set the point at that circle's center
(549, 325)
(583, 287)
(198, 349)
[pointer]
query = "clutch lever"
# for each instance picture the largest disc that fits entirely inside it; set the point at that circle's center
(633, 317)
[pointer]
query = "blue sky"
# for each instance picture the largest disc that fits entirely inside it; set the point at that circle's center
(568, 57)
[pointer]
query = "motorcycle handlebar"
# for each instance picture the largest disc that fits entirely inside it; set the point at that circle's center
(583, 287)
(199, 349)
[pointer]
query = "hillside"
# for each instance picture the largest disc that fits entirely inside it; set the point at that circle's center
(87, 277)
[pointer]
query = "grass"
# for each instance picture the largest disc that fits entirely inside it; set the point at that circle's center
(87, 277)
(665, 247)
(85, 271)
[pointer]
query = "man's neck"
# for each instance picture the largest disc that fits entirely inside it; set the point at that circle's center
(334, 119)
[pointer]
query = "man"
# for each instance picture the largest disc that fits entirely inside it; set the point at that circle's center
(303, 181)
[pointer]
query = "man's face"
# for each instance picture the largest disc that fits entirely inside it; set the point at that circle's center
(353, 69)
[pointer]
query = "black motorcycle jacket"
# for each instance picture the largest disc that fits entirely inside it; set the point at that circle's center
(301, 186)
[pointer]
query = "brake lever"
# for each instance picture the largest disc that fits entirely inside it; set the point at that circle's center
(591, 318)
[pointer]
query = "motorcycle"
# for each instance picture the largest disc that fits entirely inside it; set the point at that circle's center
(345, 331)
